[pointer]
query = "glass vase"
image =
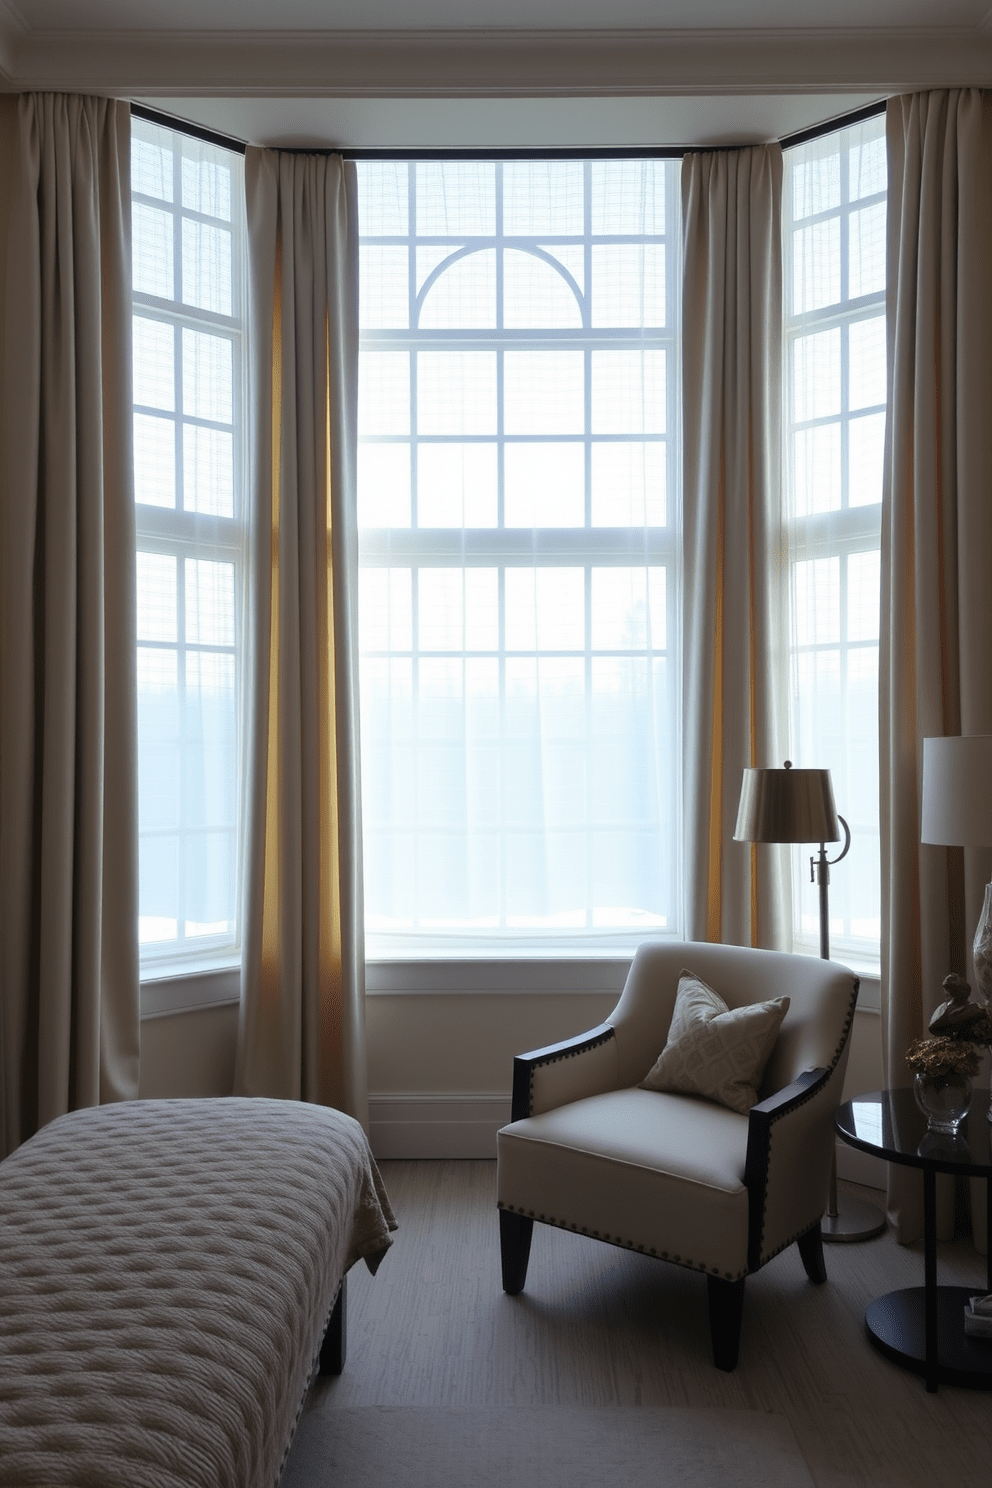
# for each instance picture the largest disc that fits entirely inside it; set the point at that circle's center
(943, 1099)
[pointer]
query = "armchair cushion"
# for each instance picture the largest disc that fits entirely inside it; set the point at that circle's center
(716, 1051)
(665, 1175)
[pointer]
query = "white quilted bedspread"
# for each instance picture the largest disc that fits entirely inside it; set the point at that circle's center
(166, 1272)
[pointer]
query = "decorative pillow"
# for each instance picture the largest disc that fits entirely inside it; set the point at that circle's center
(714, 1050)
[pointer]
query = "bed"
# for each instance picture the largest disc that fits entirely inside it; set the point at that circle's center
(168, 1270)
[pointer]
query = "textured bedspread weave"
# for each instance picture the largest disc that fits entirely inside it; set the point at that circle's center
(166, 1272)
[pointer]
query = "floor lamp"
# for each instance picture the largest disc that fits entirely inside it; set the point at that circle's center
(798, 806)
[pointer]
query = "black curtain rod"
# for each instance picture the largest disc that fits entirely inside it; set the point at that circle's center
(624, 152)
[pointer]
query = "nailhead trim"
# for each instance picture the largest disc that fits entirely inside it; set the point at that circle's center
(582, 1048)
(663, 1255)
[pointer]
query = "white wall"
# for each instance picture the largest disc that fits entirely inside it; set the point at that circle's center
(440, 1064)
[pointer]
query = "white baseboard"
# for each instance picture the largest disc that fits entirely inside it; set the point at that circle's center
(433, 1125)
(464, 1124)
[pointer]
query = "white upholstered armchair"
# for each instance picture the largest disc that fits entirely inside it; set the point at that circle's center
(673, 1175)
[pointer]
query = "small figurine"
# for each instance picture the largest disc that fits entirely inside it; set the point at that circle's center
(957, 1015)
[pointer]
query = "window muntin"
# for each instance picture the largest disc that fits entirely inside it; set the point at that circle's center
(189, 367)
(834, 215)
(519, 578)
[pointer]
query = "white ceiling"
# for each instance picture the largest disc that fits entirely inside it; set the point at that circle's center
(502, 123)
(490, 73)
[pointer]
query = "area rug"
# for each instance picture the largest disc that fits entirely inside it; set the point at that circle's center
(556, 1447)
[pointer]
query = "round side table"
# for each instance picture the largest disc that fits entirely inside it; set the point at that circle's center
(922, 1328)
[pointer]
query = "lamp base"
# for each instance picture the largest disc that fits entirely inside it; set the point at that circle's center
(855, 1221)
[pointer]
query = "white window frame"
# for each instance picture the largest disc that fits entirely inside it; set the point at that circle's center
(503, 548)
(840, 533)
(203, 970)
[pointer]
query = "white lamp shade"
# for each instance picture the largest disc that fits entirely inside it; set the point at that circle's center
(957, 791)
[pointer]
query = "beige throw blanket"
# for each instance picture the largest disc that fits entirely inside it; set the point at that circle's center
(166, 1272)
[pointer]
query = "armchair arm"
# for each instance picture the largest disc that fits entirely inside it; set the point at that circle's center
(585, 1065)
(787, 1166)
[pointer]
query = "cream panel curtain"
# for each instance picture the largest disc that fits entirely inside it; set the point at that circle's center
(935, 675)
(301, 1032)
(69, 1033)
(735, 586)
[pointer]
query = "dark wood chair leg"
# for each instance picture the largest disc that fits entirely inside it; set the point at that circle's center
(335, 1345)
(811, 1251)
(514, 1245)
(726, 1311)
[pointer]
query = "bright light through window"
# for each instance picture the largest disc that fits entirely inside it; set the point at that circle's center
(518, 492)
(834, 252)
(189, 292)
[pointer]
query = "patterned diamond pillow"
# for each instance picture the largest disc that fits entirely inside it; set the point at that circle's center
(714, 1050)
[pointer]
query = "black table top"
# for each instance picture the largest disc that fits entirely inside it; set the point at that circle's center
(889, 1123)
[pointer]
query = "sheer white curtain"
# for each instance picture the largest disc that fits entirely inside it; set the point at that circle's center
(301, 1031)
(519, 499)
(68, 816)
(735, 587)
(936, 633)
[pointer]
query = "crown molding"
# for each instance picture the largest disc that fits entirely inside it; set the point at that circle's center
(492, 63)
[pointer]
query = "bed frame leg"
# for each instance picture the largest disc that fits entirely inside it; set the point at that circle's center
(335, 1345)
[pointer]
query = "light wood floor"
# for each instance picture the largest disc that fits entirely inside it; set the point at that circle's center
(601, 1326)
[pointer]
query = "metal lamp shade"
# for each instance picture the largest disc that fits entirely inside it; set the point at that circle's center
(787, 806)
(957, 791)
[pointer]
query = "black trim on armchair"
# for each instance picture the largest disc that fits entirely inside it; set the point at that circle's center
(524, 1065)
(761, 1119)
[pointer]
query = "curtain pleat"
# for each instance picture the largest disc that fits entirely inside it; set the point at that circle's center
(68, 790)
(936, 620)
(735, 587)
(301, 1030)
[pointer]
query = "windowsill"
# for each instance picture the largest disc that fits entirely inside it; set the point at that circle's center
(198, 985)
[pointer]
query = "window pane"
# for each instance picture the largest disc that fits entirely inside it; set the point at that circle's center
(628, 284)
(629, 395)
(206, 180)
(384, 287)
(456, 392)
(816, 382)
(629, 483)
(209, 603)
(386, 609)
(208, 391)
(462, 297)
(816, 471)
(206, 267)
(384, 393)
(457, 485)
(384, 485)
(153, 353)
(456, 198)
(545, 485)
(628, 196)
(543, 197)
(535, 293)
(154, 460)
(156, 591)
(544, 392)
(152, 250)
(545, 609)
(208, 471)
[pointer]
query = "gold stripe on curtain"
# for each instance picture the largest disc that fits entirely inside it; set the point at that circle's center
(935, 676)
(301, 1031)
(735, 600)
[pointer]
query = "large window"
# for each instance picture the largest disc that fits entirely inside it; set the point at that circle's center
(519, 587)
(189, 321)
(834, 219)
